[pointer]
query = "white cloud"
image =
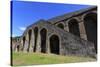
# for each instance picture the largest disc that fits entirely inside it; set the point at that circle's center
(22, 28)
(14, 35)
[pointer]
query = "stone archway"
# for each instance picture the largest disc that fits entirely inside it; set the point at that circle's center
(35, 36)
(60, 25)
(43, 34)
(74, 27)
(23, 42)
(18, 47)
(29, 34)
(54, 44)
(90, 23)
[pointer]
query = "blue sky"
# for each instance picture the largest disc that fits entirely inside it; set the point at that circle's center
(26, 13)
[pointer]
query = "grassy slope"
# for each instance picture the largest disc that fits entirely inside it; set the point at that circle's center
(37, 58)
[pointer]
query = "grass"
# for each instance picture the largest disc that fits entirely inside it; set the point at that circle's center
(20, 59)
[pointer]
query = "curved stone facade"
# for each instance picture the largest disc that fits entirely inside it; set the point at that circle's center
(70, 34)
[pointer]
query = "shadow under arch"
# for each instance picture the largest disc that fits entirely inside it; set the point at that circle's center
(35, 38)
(29, 34)
(43, 34)
(54, 44)
(60, 25)
(74, 27)
(90, 23)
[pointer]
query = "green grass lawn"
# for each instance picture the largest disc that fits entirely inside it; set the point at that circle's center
(39, 58)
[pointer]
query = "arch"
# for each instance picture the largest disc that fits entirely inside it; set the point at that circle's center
(35, 36)
(74, 27)
(43, 34)
(23, 42)
(60, 25)
(18, 47)
(54, 44)
(90, 23)
(29, 35)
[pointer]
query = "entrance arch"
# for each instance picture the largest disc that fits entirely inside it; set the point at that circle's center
(43, 34)
(74, 27)
(90, 22)
(18, 47)
(54, 44)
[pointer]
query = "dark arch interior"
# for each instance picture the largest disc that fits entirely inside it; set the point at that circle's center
(18, 48)
(54, 44)
(60, 25)
(23, 42)
(43, 34)
(35, 35)
(90, 22)
(29, 34)
(74, 27)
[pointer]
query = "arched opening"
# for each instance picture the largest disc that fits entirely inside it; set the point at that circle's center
(23, 43)
(18, 47)
(54, 44)
(90, 22)
(60, 25)
(43, 34)
(29, 34)
(35, 36)
(74, 27)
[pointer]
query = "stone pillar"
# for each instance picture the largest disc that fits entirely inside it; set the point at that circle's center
(82, 30)
(26, 43)
(66, 27)
(48, 44)
(15, 46)
(38, 48)
(31, 42)
(21, 44)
